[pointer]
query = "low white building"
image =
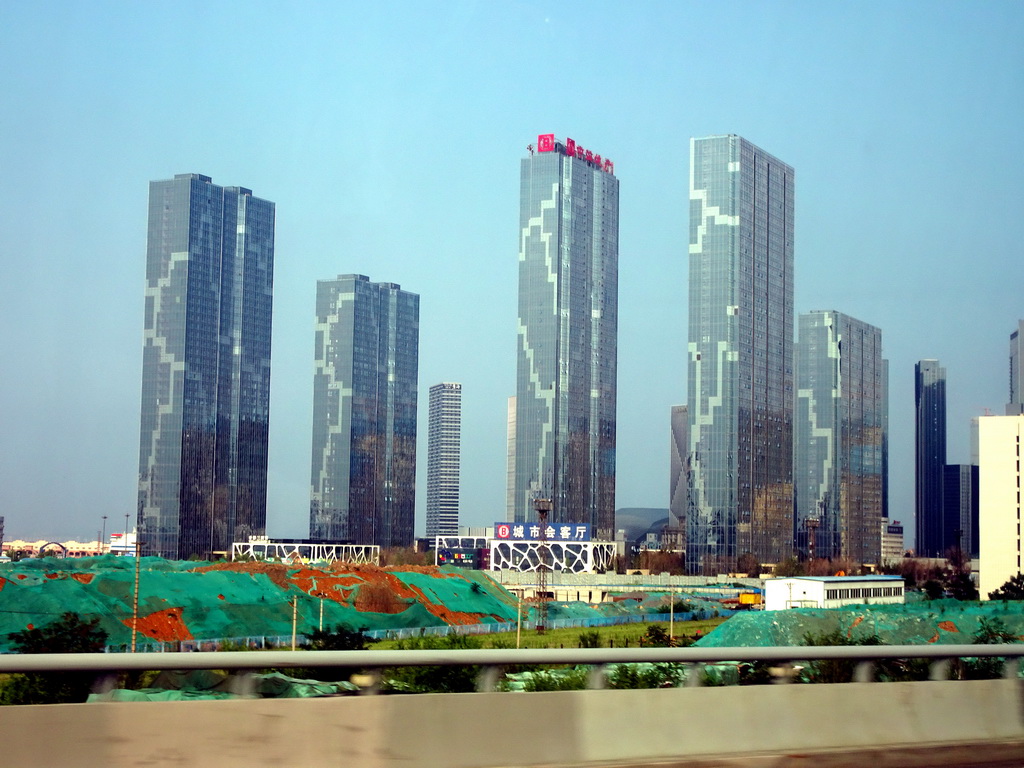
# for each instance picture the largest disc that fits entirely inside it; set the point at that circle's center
(831, 591)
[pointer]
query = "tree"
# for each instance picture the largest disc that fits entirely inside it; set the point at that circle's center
(747, 563)
(68, 634)
(961, 587)
(990, 632)
(789, 567)
(1011, 590)
(341, 638)
(656, 636)
(434, 679)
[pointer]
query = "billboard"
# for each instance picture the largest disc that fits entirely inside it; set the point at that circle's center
(531, 531)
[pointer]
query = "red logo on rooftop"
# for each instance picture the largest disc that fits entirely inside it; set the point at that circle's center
(546, 143)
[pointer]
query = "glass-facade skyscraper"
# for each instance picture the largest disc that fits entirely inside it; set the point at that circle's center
(363, 474)
(740, 371)
(444, 442)
(839, 438)
(568, 322)
(206, 367)
(930, 458)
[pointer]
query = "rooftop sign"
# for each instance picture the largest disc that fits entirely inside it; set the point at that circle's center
(553, 532)
(546, 143)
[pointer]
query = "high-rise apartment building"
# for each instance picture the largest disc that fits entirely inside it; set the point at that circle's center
(443, 459)
(839, 438)
(205, 367)
(568, 320)
(999, 493)
(740, 372)
(364, 412)
(1015, 406)
(930, 458)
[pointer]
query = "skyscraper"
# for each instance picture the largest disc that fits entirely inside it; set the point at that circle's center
(740, 372)
(443, 459)
(839, 438)
(364, 412)
(1015, 406)
(960, 508)
(930, 457)
(568, 320)
(206, 367)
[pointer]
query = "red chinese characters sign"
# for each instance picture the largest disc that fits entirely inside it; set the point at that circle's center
(546, 143)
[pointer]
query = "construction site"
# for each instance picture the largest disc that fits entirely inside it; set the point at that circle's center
(176, 605)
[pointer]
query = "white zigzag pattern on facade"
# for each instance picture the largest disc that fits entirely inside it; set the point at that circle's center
(160, 344)
(712, 212)
(345, 393)
(539, 392)
(572, 557)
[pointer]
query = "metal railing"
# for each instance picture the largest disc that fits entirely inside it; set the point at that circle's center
(491, 661)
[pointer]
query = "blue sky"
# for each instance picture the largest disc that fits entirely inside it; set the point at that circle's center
(389, 135)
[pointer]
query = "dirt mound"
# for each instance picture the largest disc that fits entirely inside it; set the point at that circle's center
(164, 626)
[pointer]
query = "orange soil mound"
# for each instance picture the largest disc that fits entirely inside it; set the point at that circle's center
(379, 590)
(320, 584)
(84, 578)
(276, 572)
(447, 616)
(163, 626)
(949, 626)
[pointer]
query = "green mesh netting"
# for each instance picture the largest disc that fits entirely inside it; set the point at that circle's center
(939, 621)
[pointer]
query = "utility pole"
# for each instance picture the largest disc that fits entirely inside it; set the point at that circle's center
(542, 507)
(135, 598)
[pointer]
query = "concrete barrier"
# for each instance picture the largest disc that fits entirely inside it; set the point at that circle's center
(942, 723)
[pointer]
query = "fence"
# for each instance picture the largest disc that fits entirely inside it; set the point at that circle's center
(266, 642)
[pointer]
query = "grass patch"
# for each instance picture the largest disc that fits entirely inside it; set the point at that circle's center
(621, 635)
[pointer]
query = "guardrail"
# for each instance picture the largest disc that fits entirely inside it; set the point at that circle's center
(492, 660)
(956, 723)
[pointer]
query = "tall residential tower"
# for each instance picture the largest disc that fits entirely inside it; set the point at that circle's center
(839, 439)
(206, 367)
(364, 412)
(740, 394)
(443, 459)
(568, 320)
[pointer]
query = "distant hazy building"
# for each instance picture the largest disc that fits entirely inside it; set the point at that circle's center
(930, 458)
(1016, 404)
(740, 372)
(892, 541)
(205, 367)
(364, 412)
(885, 441)
(960, 507)
(838, 457)
(568, 321)
(675, 533)
(444, 442)
(999, 487)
